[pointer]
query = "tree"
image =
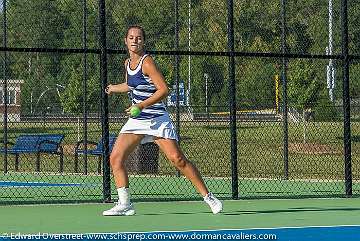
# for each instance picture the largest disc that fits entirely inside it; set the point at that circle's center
(73, 96)
(303, 87)
(34, 24)
(72, 66)
(215, 78)
(58, 24)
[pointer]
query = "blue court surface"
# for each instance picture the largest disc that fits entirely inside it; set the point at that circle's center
(10, 184)
(331, 233)
(35, 184)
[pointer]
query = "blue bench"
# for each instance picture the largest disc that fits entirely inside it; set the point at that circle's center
(37, 143)
(97, 151)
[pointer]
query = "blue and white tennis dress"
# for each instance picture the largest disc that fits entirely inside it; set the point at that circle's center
(153, 120)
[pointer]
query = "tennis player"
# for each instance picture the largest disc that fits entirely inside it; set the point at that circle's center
(148, 88)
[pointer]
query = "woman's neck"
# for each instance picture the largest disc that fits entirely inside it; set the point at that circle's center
(134, 57)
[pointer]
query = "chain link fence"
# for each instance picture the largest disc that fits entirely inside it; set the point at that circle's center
(256, 93)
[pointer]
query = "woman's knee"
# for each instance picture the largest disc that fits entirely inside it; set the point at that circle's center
(117, 161)
(178, 160)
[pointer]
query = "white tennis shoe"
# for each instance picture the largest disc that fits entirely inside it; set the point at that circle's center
(214, 203)
(120, 210)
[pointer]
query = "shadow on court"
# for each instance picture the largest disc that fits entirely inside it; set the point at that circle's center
(293, 210)
(254, 212)
(172, 213)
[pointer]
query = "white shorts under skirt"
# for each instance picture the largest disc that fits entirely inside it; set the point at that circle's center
(161, 126)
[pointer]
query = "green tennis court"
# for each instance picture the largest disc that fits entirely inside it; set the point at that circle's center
(179, 216)
(265, 216)
(33, 188)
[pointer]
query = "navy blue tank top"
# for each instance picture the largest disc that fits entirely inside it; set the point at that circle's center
(141, 88)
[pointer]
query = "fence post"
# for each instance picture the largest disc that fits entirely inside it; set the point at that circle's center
(104, 103)
(284, 88)
(177, 66)
(5, 89)
(346, 98)
(85, 107)
(232, 101)
(177, 62)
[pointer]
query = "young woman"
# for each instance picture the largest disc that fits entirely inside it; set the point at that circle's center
(148, 89)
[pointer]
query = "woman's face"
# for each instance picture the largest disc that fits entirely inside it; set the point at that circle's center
(134, 40)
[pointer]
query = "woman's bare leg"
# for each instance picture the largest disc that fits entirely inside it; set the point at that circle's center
(173, 152)
(124, 145)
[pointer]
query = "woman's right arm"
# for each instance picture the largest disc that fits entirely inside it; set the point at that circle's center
(119, 88)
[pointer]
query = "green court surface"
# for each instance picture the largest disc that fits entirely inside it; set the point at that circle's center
(180, 216)
(30, 187)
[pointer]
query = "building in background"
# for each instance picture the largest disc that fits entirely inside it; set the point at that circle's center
(13, 100)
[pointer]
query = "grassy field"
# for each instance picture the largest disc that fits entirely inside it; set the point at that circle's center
(260, 148)
(316, 160)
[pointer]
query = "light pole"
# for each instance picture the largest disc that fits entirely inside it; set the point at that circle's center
(206, 93)
(189, 60)
(330, 69)
(31, 102)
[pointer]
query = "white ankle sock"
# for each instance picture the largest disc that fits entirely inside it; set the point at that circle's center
(124, 195)
(207, 195)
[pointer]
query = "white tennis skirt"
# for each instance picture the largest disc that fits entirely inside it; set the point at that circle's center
(161, 126)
